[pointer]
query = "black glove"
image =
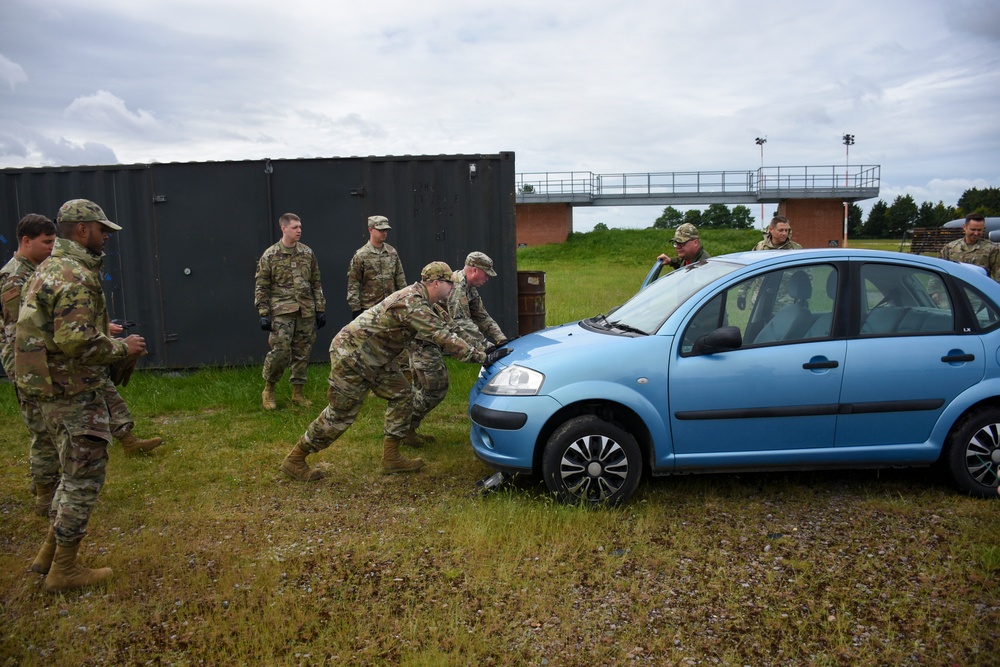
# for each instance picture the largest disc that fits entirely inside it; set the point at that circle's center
(495, 356)
(265, 324)
(355, 313)
(741, 301)
(320, 320)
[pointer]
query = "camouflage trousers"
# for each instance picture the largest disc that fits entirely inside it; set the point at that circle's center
(79, 427)
(347, 393)
(430, 380)
(291, 341)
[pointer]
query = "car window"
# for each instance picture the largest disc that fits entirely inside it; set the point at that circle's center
(986, 314)
(904, 300)
(782, 306)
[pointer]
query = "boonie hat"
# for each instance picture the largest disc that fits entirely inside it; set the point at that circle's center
(84, 210)
(481, 261)
(378, 222)
(437, 271)
(685, 233)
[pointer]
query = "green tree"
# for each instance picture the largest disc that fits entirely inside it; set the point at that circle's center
(742, 217)
(875, 226)
(600, 227)
(716, 216)
(693, 216)
(901, 216)
(985, 201)
(526, 189)
(669, 219)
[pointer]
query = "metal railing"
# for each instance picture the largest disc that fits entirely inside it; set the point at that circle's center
(849, 182)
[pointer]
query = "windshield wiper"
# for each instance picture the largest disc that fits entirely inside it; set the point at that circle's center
(601, 318)
(627, 327)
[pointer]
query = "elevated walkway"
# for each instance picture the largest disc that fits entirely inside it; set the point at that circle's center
(768, 184)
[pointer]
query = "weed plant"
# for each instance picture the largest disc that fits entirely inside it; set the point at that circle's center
(221, 560)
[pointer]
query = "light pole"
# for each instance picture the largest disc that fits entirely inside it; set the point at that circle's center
(760, 141)
(848, 142)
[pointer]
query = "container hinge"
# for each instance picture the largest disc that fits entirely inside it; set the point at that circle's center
(159, 199)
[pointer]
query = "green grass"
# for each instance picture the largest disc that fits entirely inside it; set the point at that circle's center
(219, 559)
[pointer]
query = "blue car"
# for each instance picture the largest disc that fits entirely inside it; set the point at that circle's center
(793, 360)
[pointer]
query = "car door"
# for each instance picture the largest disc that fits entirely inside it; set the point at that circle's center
(908, 360)
(779, 391)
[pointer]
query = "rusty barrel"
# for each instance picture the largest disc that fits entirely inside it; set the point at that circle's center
(530, 301)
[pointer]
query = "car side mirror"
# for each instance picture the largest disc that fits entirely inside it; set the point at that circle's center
(723, 339)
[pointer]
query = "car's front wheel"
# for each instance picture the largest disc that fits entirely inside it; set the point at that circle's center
(591, 460)
(973, 455)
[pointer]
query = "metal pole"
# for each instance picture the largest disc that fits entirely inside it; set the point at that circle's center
(760, 179)
(848, 140)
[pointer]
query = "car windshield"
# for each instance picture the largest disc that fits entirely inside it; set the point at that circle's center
(647, 310)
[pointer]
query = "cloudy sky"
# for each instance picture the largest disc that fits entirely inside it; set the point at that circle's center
(607, 87)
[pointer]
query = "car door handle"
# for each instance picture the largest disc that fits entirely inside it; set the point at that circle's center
(952, 358)
(820, 364)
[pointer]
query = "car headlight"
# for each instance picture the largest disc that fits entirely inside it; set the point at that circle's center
(515, 381)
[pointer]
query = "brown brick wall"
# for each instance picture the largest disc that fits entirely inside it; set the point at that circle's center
(815, 222)
(538, 224)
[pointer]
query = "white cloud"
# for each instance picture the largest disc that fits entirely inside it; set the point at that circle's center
(109, 112)
(11, 73)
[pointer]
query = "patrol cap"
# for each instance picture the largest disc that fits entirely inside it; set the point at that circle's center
(84, 210)
(685, 233)
(437, 271)
(378, 222)
(481, 261)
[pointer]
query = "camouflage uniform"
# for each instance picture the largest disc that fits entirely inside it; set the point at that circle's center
(675, 262)
(63, 350)
(287, 289)
(43, 457)
(374, 274)
(470, 321)
(985, 254)
(362, 358)
(766, 244)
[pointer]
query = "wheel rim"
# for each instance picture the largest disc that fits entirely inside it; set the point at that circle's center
(594, 468)
(982, 455)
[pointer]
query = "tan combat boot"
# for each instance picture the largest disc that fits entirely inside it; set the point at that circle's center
(295, 465)
(133, 445)
(67, 573)
(393, 461)
(43, 561)
(414, 439)
(43, 498)
(267, 399)
(298, 398)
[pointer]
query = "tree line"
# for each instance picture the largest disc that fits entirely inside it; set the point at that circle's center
(883, 221)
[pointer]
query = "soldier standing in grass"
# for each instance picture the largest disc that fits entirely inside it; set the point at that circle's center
(363, 357)
(973, 248)
(474, 324)
(778, 237)
(36, 235)
(688, 246)
(62, 355)
(375, 271)
(289, 299)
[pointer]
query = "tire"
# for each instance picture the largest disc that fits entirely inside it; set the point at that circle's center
(973, 456)
(589, 460)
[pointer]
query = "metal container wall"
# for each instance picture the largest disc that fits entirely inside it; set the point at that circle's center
(184, 264)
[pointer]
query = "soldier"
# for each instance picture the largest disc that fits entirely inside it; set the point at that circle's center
(688, 247)
(36, 235)
(362, 357)
(973, 248)
(289, 298)
(778, 236)
(474, 324)
(375, 271)
(62, 353)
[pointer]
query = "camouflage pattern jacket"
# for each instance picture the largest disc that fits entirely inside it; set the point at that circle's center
(766, 244)
(13, 276)
(466, 307)
(702, 254)
(287, 282)
(374, 274)
(985, 254)
(63, 347)
(378, 335)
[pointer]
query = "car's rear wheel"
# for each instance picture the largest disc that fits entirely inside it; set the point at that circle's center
(591, 460)
(973, 455)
